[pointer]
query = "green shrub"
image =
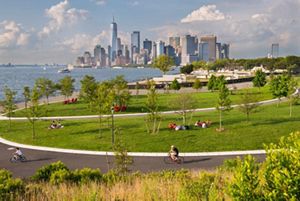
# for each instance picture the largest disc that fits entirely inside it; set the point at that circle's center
(282, 169)
(60, 176)
(44, 173)
(86, 175)
(229, 164)
(9, 187)
(245, 184)
(199, 189)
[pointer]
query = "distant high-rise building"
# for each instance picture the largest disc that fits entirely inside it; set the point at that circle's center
(188, 45)
(108, 55)
(170, 51)
(203, 51)
(160, 45)
(218, 51)
(97, 50)
(147, 45)
(87, 58)
(114, 36)
(154, 51)
(275, 50)
(119, 44)
(225, 51)
(175, 42)
(135, 41)
(211, 40)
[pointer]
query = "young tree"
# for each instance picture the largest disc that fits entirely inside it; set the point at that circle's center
(34, 111)
(292, 97)
(186, 103)
(260, 79)
(279, 87)
(26, 94)
(175, 85)
(9, 104)
(153, 119)
(102, 102)
(66, 86)
(137, 87)
(211, 83)
(46, 87)
(224, 103)
(197, 84)
(122, 159)
(120, 88)
(163, 63)
(88, 89)
(248, 103)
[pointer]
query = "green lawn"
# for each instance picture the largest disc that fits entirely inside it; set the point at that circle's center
(266, 126)
(137, 103)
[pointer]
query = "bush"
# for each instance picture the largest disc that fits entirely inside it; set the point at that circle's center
(9, 187)
(60, 176)
(187, 69)
(282, 169)
(199, 189)
(44, 173)
(86, 175)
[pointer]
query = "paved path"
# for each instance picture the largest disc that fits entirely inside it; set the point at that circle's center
(37, 159)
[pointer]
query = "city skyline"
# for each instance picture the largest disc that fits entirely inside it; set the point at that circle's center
(58, 31)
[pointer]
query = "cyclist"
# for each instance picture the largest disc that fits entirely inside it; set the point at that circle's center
(18, 153)
(173, 153)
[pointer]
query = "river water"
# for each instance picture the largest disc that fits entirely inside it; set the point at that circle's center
(19, 76)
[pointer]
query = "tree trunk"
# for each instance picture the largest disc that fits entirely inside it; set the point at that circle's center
(33, 128)
(291, 105)
(220, 120)
(100, 122)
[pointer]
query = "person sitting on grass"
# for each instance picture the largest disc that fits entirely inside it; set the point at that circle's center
(55, 124)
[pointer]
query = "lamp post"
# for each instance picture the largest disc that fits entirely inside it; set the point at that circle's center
(112, 126)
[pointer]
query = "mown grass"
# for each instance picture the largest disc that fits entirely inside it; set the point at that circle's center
(265, 126)
(137, 103)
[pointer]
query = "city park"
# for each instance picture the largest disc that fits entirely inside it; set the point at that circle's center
(141, 121)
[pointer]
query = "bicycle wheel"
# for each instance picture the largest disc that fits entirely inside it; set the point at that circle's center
(23, 159)
(13, 160)
(180, 160)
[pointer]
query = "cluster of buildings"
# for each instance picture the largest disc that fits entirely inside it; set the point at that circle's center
(183, 49)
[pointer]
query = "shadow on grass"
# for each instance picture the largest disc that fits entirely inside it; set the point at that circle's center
(276, 121)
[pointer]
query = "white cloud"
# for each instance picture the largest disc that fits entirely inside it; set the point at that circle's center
(204, 13)
(61, 15)
(12, 35)
(99, 2)
(135, 3)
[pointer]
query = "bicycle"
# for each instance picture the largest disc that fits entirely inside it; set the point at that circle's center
(169, 160)
(15, 159)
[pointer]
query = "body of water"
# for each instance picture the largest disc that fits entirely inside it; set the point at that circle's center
(19, 76)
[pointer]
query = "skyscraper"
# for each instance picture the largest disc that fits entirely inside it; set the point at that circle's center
(114, 36)
(225, 51)
(275, 50)
(175, 42)
(211, 40)
(147, 45)
(219, 51)
(203, 51)
(154, 51)
(160, 45)
(188, 49)
(135, 41)
(119, 44)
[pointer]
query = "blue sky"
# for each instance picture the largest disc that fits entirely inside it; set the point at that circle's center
(40, 31)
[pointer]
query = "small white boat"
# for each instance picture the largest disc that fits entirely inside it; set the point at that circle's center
(140, 67)
(65, 70)
(117, 67)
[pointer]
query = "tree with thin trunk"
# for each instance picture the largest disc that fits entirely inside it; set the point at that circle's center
(26, 94)
(186, 103)
(122, 159)
(197, 84)
(34, 111)
(224, 104)
(88, 89)
(137, 88)
(153, 118)
(103, 101)
(8, 103)
(248, 103)
(211, 83)
(66, 86)
(279, 87)
(293, 93)
(259, 79)
(46, 87)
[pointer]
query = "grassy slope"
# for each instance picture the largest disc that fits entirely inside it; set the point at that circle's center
(137, 103)
(266, 126)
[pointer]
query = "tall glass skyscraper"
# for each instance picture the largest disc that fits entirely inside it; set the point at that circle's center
(114, 36)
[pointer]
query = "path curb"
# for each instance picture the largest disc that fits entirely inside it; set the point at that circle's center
(149, 154)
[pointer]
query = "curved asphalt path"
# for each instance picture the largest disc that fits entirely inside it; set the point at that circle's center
(37, 159)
